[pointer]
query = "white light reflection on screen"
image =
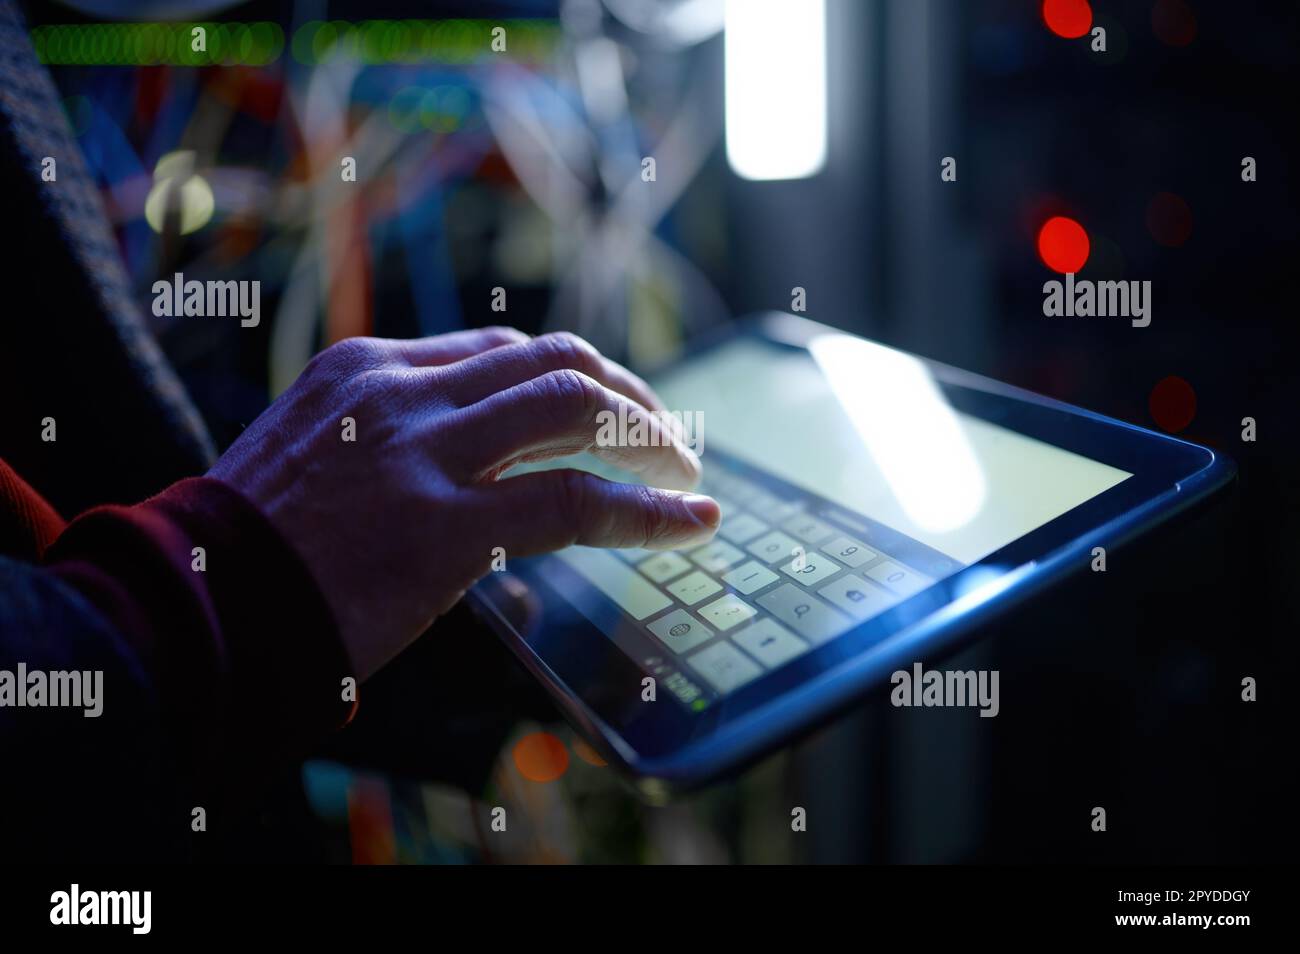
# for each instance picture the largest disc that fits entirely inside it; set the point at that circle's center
(908, 428)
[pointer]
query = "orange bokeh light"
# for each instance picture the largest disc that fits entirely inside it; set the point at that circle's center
(1063, 244)
(541, 757)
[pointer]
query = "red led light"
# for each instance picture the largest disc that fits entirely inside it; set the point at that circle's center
(1169, 219)
(1068, 18)
(1174, 22)
(1172, 403)
(1063, 244)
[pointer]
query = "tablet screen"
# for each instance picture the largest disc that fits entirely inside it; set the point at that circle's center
(848, 484)
(868, 428)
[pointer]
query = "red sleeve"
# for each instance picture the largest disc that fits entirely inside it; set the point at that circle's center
(239, 643)
(27, 523)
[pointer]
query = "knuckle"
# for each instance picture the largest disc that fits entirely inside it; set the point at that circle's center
(567, 350)
(504, 334)
(652, 514)
(572, 491)
(570, 395)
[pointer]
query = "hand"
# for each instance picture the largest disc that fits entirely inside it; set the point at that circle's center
(396, 525)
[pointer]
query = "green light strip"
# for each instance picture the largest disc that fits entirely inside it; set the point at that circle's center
(422, 41)
(153, 44)
(372, 42)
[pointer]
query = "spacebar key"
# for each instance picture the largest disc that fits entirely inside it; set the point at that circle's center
(616, 580)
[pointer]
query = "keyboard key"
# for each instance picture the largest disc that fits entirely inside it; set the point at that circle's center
(773, 547)
(718, 480)
(850, 552)
(694, 587)
(680, 631)
(784, 511)
(749, 577)
(762, 502)
(633, 554)
(860, 598)
(728, 612)
(808, 528)
(898, 578)
(662, 567)
(804, 613)
(811, 568)
(770, 643)
(617, 580)
(725, 666)
(717, 556)
(741, 528)
(743, 491)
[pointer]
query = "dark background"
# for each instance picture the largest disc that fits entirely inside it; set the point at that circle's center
(1119, 690)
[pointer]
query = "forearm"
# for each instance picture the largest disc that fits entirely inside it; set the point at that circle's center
(219, 658)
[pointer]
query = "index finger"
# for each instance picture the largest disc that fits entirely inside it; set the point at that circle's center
(548, 510)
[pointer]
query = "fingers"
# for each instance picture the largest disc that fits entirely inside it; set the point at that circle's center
(549, 510)
(474, 379)
(454, 346)
(566, 412)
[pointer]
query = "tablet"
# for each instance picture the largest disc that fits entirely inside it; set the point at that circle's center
(876, 505)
